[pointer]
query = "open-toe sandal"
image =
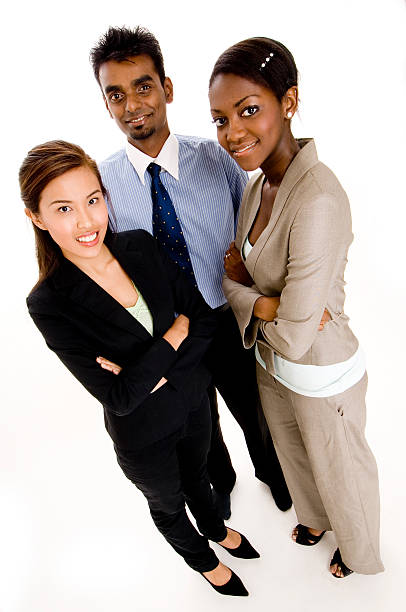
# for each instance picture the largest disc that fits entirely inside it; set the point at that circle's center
(341, 566)
(306, 538)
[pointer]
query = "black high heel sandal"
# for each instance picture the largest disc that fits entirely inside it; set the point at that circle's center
(233, 587)
(306, 538)
(337, 560)
(244, 550)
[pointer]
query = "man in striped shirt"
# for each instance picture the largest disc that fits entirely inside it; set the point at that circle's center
(205, 186)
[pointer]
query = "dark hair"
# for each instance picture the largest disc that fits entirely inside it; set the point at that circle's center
(119, 44)
(44, 163)
(252, 60)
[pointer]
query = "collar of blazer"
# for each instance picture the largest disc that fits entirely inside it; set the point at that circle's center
(303, 161)
(130, 251)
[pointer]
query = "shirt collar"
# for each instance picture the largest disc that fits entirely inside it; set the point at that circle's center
(168, 158)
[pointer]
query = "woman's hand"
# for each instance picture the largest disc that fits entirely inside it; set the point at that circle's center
(178, 331)
(265, 308)
(159, 384)
(324, 319)
(109, 365)
(176, 334)
(235, 268)
(116, 369)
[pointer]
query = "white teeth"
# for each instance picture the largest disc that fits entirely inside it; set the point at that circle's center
(88, 238)
(137, 120)
(245, 148)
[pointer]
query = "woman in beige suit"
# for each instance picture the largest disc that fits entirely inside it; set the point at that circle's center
(285, 268)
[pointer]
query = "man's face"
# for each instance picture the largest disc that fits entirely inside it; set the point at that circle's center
(136, 100)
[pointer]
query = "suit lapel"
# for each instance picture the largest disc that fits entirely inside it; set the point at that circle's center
(75, 285)
(256, 194)
(301, 163)
(136, 264)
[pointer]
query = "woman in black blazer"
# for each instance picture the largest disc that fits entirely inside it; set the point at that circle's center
(155, 403)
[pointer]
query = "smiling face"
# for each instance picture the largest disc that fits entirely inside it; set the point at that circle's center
(136, 100)
(73, 210)
(252, 125)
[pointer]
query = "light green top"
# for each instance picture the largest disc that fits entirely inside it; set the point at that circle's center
(141, 312)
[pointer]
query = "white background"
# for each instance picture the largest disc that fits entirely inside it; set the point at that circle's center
(76, 535)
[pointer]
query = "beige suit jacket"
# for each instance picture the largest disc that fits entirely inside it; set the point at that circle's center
(301, 256)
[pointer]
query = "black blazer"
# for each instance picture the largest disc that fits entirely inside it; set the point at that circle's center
(80, 321)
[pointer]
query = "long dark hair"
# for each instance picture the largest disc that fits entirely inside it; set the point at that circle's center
(44, 163)
(262, 60)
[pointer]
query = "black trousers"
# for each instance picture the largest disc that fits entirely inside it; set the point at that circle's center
(233, 369)
(171, 472)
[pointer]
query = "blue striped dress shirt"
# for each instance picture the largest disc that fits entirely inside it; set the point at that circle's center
(206, 195)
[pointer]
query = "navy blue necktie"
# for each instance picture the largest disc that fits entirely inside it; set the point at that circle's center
(166, 227)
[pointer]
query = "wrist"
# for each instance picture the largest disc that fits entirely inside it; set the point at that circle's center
(258, 307)
(175, 338)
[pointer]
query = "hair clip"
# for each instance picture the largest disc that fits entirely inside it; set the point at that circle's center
(266, 60)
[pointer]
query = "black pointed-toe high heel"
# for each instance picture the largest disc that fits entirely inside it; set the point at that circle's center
(244, 550)
(234, 586)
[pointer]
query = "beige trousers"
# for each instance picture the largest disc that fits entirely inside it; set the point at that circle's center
(329, 468)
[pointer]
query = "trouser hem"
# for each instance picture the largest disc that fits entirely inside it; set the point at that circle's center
(208, 567)
(321, 523)
(367, 568)
(227, 490)
(219, 535)
(217, 539)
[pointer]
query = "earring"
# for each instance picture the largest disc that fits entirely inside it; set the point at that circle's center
(289, 115)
